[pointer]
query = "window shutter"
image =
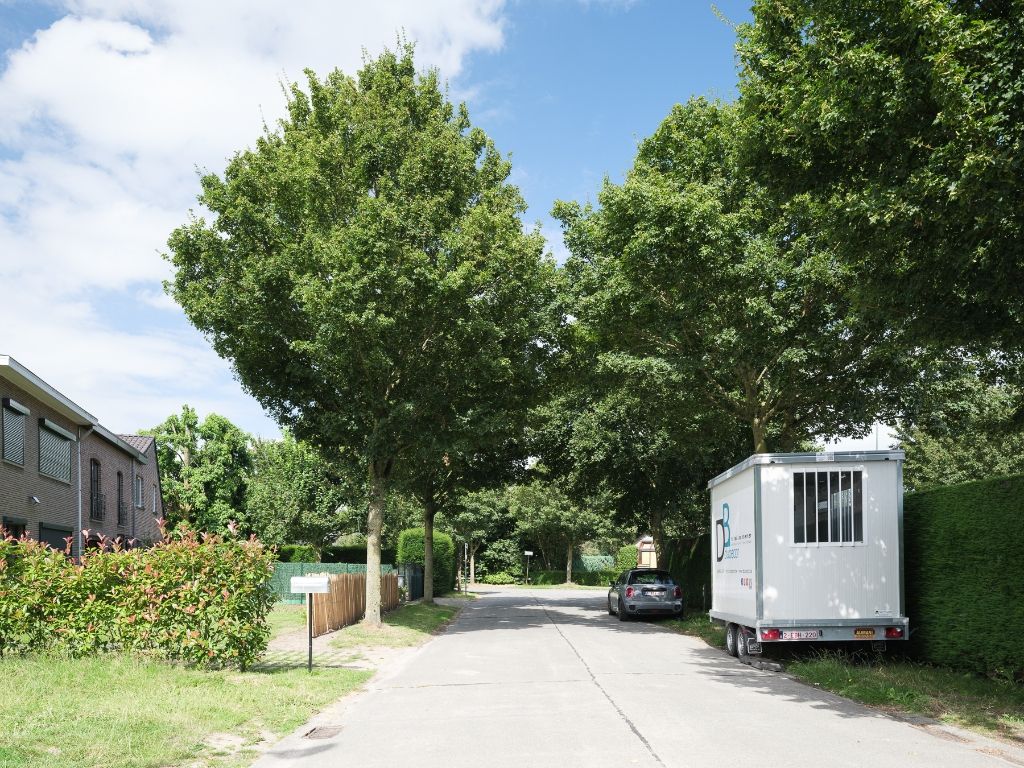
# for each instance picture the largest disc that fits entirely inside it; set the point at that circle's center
(14, 436)
(54, 455)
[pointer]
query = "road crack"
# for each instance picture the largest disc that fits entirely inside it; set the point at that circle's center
(601, 688)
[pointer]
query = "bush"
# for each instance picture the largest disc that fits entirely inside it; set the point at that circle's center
(590, 563)
(297, 553)
(964, 575)
(502, 556)
(498, 578)
(203, 601)
(354, 554)
(410, 550)
(625, 558)
(585, 578)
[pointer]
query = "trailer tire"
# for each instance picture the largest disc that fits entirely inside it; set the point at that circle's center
(741, 644)
(623, 615)
(730, 639)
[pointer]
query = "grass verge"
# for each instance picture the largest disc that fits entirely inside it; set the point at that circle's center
(550, 586)
(285, 618)
(120, 712)
(407, 626)
(990, 707)
(460, 595)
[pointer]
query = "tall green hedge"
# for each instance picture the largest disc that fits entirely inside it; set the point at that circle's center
(964, 574)
(625, 558)
(354, 554)
(297, 553)
(410, 550)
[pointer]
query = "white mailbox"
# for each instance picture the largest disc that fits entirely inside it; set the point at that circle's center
(307, 584)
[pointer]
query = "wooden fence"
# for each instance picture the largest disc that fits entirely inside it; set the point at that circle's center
(346, 602)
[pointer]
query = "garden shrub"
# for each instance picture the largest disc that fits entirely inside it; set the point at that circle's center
(625, 558)
(354, 554)
(964, 575)
(498, 578)
(584, 578)
(299, 553)
(592, 563)
(201, 600)
(410, 550)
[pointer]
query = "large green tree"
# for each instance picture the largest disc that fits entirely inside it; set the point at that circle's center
(692, 263)
(294, 496)
(899, 126)
(366, 271)
(204, 470)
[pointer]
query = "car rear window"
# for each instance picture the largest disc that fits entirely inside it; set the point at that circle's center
(652, 577)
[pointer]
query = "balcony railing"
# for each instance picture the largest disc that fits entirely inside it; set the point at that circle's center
(122, 514)
(97, 506)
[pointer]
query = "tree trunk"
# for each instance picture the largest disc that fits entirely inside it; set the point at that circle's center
(472, 563)
(379, 471)
(760, 439)
(429, 511)
(568, 565)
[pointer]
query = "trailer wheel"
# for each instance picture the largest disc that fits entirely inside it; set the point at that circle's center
(741, 643)
(730, 639)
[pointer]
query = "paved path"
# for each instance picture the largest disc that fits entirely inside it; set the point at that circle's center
(546, 678)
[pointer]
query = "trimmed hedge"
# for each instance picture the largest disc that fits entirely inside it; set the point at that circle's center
(591, 563)
(355, 554)
(501, 577)
(410, 550)
(585, 578)
(964, 574)
(625, 558)
(297, 553)
(203, 601)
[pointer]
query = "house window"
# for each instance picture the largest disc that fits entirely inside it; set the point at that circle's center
(140, 501)
(14, 527)
(828, 507)
(58, 538)
(54, 451)
(97, 501)
(14, 431)
(122, 508)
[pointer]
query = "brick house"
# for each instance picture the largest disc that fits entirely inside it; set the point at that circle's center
(61, 471)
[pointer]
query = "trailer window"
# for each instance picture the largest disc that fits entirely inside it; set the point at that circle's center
(828, 507)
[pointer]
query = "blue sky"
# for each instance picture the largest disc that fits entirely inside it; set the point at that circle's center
(108, 106)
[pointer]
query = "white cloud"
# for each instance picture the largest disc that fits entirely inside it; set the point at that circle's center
(107, 113)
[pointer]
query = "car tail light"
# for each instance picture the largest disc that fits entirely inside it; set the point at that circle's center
(629, 591)
(771, 634)
(678, 592)
(893, 633)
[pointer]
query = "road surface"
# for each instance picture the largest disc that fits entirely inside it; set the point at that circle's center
(545, 678)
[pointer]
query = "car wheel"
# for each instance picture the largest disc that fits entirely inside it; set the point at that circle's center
(611, 611)
(678, 614)
(741, 643)
(623, 616)
(730, 639)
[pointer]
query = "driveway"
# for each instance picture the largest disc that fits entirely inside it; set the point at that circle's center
(547, 678)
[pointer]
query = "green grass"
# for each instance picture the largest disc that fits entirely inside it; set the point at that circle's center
(460, 595)
(409, 625)
(699, 625)
(551, 586)
(994, 707)
(119, 712)
(285, 618)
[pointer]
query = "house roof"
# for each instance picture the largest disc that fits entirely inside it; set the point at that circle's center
(138, 442)
(24, 379)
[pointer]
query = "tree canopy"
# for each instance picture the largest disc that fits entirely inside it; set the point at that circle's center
(900, 126)
(366, 271)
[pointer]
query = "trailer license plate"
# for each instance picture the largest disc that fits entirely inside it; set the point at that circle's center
(867, 632)
(801, 634)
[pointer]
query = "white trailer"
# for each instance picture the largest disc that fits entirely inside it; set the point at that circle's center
(809, 547)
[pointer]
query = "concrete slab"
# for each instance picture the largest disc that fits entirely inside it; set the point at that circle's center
(547, 678)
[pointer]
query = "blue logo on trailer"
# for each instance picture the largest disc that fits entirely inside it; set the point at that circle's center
(723, 539)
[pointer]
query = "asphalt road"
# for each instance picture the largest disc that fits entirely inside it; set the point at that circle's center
(547, 678)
